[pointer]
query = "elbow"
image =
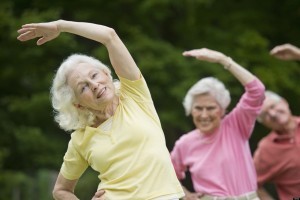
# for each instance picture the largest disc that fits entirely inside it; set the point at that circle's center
(55, 194)
(58, 194)
(112, 37)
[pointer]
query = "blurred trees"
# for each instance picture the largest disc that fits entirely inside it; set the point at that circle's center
(156, 32)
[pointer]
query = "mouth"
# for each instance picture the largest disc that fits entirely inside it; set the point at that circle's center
(101, 92)
(204, 122)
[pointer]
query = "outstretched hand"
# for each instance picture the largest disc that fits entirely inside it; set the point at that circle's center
(286, 52)
(206, 55)
(44, 31)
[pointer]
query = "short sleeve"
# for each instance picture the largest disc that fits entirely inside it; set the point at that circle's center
(137, 90)
(74, 164)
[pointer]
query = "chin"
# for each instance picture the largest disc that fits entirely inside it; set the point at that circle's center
(206, 131)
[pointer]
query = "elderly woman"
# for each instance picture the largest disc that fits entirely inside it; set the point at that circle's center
(217, 151)
(115, 127)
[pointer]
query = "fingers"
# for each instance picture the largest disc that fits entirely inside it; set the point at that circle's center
(198, 52)
(26, 35)
(193, 53)
(24, 30)
(99, 195)
(276, 50)
(32, 25)
(28, 32)
(42, 41)
(281, 48)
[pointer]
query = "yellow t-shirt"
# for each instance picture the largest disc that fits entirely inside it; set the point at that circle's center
(128, 150)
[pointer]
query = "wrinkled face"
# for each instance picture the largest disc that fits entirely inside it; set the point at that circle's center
(206, 113)
(93, 87)
(275, 114)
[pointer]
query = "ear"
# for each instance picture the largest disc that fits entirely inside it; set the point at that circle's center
(77, 105)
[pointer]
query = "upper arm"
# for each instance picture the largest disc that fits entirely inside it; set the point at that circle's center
(120, 58)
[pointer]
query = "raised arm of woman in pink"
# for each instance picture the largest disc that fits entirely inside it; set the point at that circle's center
(243, 75)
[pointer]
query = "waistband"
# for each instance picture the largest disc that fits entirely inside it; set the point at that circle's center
(247, 196)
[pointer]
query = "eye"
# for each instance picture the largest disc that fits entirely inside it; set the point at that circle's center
(94, 75)
(83, 88)
(198, 108)
(211, 108)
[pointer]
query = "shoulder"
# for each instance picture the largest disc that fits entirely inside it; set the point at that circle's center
(267, 140)
(188, 137)
(266, 146)
(78, 136)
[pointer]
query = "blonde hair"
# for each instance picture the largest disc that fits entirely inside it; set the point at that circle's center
(63, 97)
(209, 85)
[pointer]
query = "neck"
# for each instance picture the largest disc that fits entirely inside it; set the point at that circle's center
(290, 128)
(106, 112)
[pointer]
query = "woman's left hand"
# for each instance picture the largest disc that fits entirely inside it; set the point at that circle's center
(206, 55)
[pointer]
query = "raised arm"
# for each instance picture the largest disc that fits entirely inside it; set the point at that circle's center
(286, 52)
(120, 58)
(243, 75)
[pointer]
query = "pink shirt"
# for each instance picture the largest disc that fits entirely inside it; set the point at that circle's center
(277, 160)
(221, 163)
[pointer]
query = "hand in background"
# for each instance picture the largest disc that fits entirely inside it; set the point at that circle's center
(286, 52)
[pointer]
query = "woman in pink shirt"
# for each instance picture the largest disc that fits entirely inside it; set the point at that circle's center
(217, 152)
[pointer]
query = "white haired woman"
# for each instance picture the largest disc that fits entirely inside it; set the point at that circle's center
(217, 152)
(115, 127)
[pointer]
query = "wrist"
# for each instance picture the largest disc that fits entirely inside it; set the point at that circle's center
(227, 63)
(60, 25)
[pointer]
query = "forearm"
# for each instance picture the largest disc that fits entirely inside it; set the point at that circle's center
(243, 75)
(120, 58)
(64, 195)
(99, 33)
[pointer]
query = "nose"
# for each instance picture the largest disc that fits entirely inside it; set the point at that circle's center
(93, 85)
(204, 113)
(272, 112)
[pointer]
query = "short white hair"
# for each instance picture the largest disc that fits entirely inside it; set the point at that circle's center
(269, 95)
(208, 85)
(63, 97)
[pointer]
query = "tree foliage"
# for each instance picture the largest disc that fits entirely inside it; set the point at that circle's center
(156, 33)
